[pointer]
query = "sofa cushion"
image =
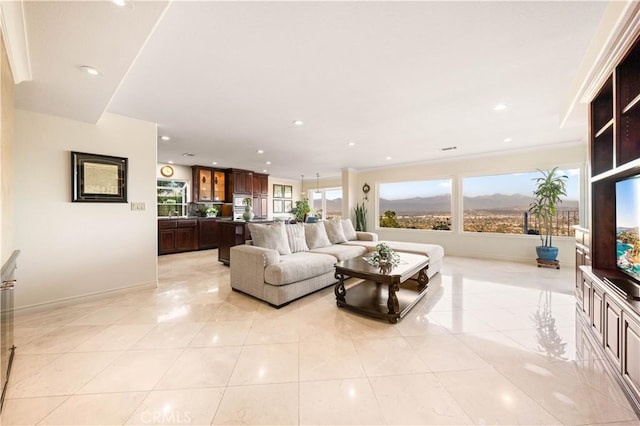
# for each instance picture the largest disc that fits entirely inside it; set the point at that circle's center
(341, 251)
(298, 267)
(295, 235)
(271, 236)
(349, 230)
(316, 235)
(334, 231)
(432, 251)
(369, 245)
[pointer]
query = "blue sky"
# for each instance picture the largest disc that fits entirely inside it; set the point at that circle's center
(627, 203)
(515, 183)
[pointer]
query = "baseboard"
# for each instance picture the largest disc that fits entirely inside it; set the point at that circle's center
(83, 298)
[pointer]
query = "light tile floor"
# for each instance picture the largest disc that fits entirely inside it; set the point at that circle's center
(492, 343)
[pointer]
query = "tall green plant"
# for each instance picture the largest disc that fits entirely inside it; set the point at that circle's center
(360, 212)
(301, 209)
(550, 187)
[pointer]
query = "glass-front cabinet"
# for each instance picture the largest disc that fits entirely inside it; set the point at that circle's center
(172, 198)
(208, 185)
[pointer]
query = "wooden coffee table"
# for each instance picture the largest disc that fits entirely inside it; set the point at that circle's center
(387, 293)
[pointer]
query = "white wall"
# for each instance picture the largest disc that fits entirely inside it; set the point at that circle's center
(456, 242)
(75, 249)
(296, 195)
(179, 173)
(6, 158)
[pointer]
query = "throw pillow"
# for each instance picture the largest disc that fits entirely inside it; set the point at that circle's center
(335, 232)
(316, 235)
(349, 230)
(271, 236)
(295, 235)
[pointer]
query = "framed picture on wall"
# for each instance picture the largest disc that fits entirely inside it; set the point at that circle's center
(288, 191)
(278, 191)
(278, 206)
(288, 205)
(98, 178)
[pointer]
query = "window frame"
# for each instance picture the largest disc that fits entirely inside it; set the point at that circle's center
(184, 206)
(583, 188)
(378, 213)
(311, 192)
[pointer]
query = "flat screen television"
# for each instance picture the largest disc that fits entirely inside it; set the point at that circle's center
(627, 226)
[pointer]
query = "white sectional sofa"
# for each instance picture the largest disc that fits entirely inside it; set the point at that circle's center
(284, 262)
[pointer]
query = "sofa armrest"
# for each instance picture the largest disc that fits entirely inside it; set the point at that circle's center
(367, 236)
(250, 253)
(247, 265)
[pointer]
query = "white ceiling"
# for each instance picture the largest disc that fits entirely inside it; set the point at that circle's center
(404, 80)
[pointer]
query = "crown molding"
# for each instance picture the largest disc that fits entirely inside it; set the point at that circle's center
(14, 34)
(620, 40)
(618, 29)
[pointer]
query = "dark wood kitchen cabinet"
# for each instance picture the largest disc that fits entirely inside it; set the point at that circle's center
(208, 185)
(177, 235)
(260, 207)
(208, 233)
(260, 184)
(239, 182)
(232, 233)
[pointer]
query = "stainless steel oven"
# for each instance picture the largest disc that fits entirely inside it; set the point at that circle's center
(238, 206)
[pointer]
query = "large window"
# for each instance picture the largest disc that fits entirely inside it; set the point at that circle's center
(172, 198)
(500, 204)
(327, 203)
(422, 204)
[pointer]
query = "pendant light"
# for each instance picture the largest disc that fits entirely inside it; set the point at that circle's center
(317, 183)
(302, 186)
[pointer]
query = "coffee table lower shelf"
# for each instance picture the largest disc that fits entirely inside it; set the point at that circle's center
(371, 298)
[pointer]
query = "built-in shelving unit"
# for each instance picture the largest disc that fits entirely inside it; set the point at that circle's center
(612, 318)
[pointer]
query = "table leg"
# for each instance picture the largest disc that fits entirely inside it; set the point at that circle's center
(339, 290)
(392, 301)
(423, 278)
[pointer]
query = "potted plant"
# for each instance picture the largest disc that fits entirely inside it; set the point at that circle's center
(385, 255)
(550, 187)
(211, 211)
(360, 212)
(301, 209)
(248, 213)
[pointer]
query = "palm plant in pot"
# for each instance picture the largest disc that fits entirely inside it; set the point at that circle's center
(550, 188)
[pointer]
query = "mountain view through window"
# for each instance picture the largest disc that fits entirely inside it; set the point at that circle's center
(500, 204)
(416, 205)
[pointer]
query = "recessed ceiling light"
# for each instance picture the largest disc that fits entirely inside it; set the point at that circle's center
(500, 107)
(260, 151)
(170, 162)
(352, 144)
(165, 138)
(121, 3)
(215, 163)
(264, 170)
(298, 122)
(89, 70)
(388, 158)
(268, 162)
(508, 139)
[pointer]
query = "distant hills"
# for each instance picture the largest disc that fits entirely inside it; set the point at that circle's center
(439, 203)
(631, 231)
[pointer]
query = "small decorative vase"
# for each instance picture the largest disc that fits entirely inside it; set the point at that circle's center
(248, 213)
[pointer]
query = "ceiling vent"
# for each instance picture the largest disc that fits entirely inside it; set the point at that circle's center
(188, 154)
(449, 148)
